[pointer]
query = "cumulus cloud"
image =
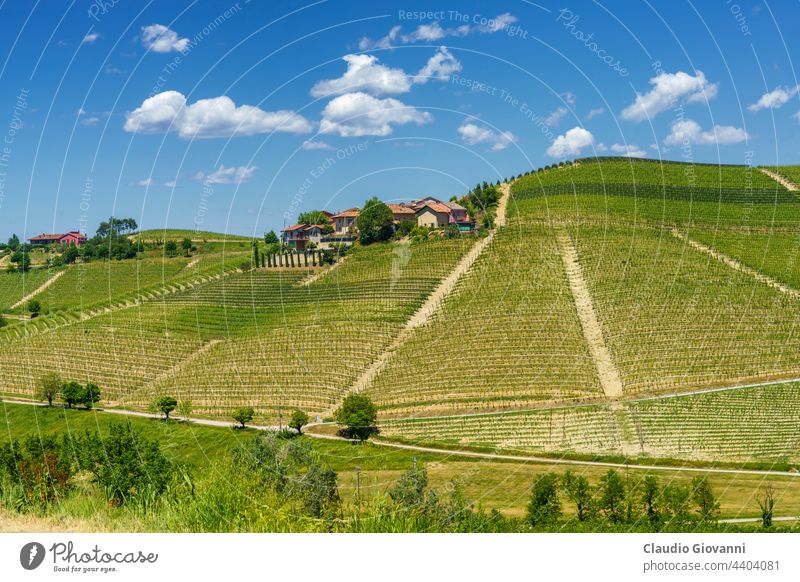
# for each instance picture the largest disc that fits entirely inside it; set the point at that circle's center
(775, 99)
(161, 39)
(797, 116)
(434, 32)
(689, 131)
(90, 38)
(571, 143)
(358, 114)
(472, 134)
(311, 144)
(364, 74)
(207, 118)
(223, 175)
(595, 112)
(668, 90)
(439, 67)
(628, 150)
(556, 116)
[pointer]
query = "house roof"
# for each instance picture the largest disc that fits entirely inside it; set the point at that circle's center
(454, 205)
(400, 209)
(56, 236)
(294, 227)
(349, 213)
(435, 206)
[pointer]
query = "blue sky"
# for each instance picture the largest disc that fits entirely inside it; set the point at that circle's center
(234, 117)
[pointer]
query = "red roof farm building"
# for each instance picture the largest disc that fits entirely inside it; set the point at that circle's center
(73, 237)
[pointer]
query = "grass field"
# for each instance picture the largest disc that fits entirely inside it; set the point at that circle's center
(504, 485)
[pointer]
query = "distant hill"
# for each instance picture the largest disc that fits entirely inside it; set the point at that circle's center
(194, 235)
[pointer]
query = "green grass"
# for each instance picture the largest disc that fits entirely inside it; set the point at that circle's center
(157, 234)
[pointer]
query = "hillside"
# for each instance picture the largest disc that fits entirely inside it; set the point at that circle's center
(612, 281)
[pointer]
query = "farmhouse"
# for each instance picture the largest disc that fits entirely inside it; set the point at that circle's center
(299, 235)
(73, 237)
(432, 214)
(401, 212)
(345, 222)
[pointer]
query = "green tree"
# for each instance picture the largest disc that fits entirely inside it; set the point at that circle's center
(243, 415)
(71, 393)
(704, 499)
(271, 238)
(165, 405)
(579, 492)
(34, 307)
(3, 322)
(170, 247)
(90, 395)
(186, 245)
(651, 493)
(13, 242)
(70, 254)
(358, 415)
(375, 222)
(313, 217)
(49, 387)
(612, 497)
(22, 261)
(677, 499)
(298, 420)
(544, 507)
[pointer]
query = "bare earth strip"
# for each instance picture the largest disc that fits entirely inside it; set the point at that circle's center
(35, 292)
(789, 185)
(592, 332)
(734, 264)
(174, 370)
(425, 313)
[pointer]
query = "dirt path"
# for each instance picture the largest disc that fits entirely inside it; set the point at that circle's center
(592, 332)
(322, 272)
(180, 365)
(448, 452)
(425, 313)
(791, 186)
(38, 290)
(734, 264)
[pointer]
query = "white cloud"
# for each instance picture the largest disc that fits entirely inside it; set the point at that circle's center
(145, 183)
(434, 32)
(358, 114)
(797, 116)
(90, 38)
(472, 134)
(310, 144)
(595, 112)
(223, 175)
(775, 99)
(571, 143)
(90, 121)
(215, 117)
(160, 39)
(80, 111)
(601, 147)
(668, 89)
(570, 98)
(629, 150)
(364, 74)
(556, 116)
(439, 67)
(689, 131)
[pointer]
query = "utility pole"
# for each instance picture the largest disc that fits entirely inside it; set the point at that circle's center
(358, 483)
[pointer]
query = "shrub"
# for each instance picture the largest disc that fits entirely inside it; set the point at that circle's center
(126, 465)
(34, 307)
(409, 490)
(40, 467)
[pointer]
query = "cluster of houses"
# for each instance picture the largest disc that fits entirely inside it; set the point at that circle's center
(73, 237)
(426, 212)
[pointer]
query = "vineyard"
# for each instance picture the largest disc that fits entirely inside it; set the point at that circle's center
(508, 337)
(14, 286)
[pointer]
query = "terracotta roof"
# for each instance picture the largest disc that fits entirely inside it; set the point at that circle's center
(454, 205)
(435, 206)
(295, 227)
(349, 213)
(44, 236)
(400, 209)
